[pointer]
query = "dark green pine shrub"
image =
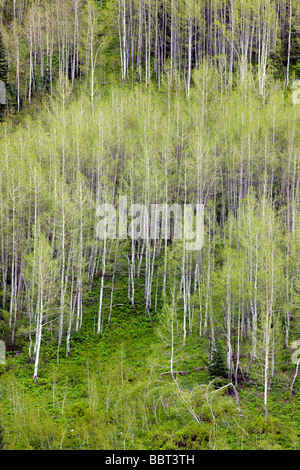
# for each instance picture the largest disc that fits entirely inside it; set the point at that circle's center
(3, 62)
(1, 438)
(217, 366)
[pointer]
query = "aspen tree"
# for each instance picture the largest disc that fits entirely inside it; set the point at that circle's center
(291, 275)
(266, 282)
(92, 43)
(75, 59)
(123, 38)
(16, 37)
(39, 270)
(4, 236)
(65, 254)
(289, 43)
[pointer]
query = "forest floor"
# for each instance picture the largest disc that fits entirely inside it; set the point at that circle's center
(109, 394)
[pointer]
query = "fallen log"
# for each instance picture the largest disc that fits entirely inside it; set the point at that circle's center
(181, 372)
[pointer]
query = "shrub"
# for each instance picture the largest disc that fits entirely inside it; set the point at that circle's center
(217, 366)
(2, 444)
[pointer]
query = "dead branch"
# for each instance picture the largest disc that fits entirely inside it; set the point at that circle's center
(181, 372)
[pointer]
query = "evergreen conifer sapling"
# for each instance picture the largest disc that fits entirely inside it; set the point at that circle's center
(217, 366)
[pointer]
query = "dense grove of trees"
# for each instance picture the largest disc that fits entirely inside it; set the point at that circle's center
(46, 40)
(211, 122)
(225, 149)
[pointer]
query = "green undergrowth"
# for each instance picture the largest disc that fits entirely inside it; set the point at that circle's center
(114, 391)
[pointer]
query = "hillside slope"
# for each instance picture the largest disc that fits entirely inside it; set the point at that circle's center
(134, 341)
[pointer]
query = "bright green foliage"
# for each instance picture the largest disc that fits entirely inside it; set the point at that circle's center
(119, 331)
